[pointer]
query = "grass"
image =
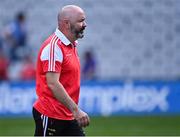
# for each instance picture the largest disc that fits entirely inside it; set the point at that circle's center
(104, 126)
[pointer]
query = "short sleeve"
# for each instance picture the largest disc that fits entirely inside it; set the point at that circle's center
(51, 58)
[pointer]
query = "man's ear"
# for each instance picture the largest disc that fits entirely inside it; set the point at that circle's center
(66, 23)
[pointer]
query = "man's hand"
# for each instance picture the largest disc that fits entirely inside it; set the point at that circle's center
(81, 117)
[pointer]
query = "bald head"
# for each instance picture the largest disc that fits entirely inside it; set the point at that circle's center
(69, 12)
(71, 21)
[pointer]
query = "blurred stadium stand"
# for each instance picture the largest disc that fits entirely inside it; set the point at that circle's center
(132, 39)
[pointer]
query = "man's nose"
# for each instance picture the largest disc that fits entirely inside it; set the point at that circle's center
(84, 24)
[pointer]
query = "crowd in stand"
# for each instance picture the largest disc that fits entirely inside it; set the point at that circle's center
(15, 58)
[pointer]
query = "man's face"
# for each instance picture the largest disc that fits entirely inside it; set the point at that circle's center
(78, 26)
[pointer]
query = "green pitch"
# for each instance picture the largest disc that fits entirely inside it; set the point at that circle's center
(105, 126)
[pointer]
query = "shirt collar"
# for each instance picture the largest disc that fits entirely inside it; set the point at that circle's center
(63, 38)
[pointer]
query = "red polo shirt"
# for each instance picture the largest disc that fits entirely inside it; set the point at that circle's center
(57, 54)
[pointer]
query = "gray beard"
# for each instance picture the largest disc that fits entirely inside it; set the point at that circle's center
(77, 34)
(80, 35)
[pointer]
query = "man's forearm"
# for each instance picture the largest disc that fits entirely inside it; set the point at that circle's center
(62, 96)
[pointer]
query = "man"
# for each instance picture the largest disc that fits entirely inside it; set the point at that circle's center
(58, 79)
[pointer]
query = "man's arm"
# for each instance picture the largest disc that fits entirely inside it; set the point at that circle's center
(62, 96)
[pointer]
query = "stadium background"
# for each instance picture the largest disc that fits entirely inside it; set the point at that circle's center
(136, 44)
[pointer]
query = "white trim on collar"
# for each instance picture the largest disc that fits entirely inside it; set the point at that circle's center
(62, 37)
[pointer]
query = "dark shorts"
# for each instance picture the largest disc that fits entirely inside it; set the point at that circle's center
(46, 126)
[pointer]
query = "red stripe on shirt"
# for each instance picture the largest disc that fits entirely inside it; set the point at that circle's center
(49, 64)
(53, 64)
(52, 45)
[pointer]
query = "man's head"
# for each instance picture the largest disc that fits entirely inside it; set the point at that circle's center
(20, 17)
(71, 21)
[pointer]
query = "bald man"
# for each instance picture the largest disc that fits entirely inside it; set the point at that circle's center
(56, 112)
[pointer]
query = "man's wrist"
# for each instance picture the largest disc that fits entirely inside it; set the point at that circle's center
(75, 109)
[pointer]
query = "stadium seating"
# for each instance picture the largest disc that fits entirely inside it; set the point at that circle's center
(132, 39)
